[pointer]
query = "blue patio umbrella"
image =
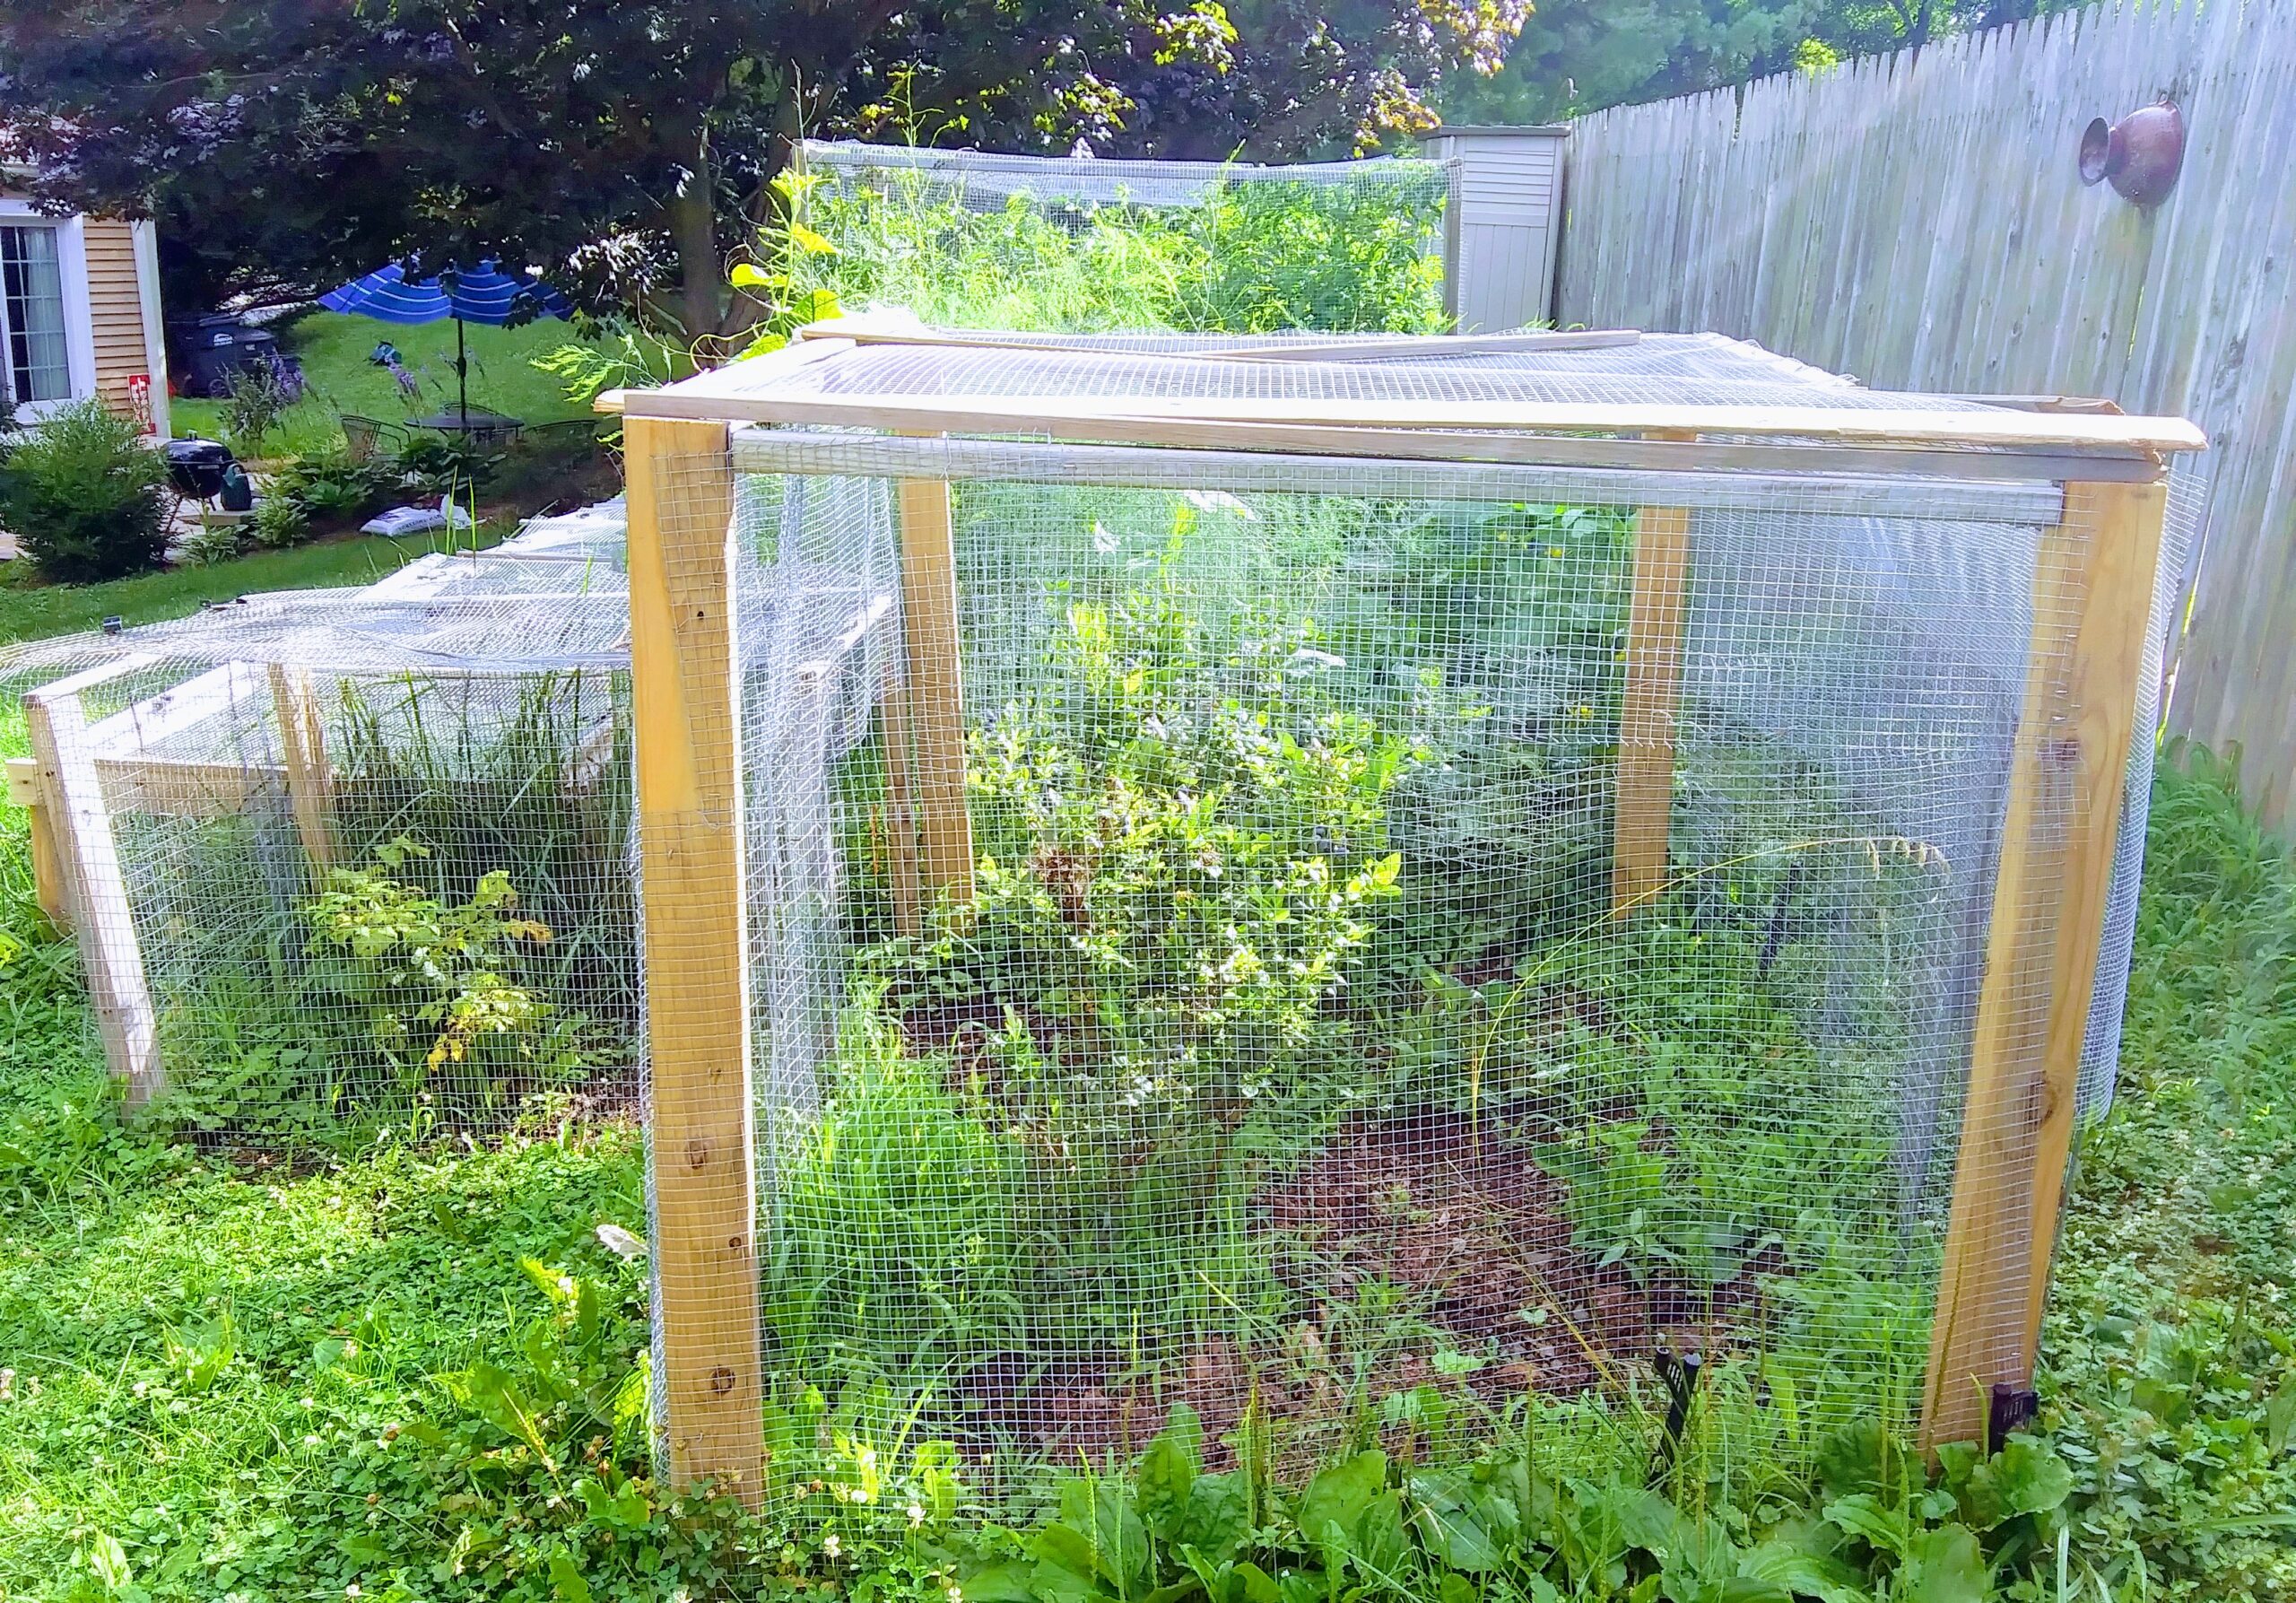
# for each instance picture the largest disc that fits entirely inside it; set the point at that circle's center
(480, 294)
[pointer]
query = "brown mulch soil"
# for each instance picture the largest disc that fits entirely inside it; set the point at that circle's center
(1473, 1234)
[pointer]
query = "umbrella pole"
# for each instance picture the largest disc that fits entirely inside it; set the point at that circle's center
(462, 375)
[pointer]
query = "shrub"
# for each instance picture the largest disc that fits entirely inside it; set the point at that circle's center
(332, 489)
(279, 520)
(81, 494)
(426, 975)
(256, 400)
(442, 465)
(210, 542)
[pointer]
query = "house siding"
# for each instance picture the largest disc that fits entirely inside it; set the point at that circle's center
(115, 308)
(118, 341)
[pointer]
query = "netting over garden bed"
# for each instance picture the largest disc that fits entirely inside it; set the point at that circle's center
(358, 855)
(1346, 909)
(973, 239)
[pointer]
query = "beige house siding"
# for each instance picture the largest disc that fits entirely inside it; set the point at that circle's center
(112, 303)
(115, 307)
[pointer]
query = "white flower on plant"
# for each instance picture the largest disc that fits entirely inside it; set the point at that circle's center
(1104, 539)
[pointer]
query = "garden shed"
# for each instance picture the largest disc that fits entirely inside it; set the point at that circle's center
(1503, 229)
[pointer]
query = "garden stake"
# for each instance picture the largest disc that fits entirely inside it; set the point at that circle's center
(2010, 1407)
(1775, 936)
(1681, 1376)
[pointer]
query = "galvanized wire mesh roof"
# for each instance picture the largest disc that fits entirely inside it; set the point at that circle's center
(556, 594)
(1027, 384)
(1690, 370)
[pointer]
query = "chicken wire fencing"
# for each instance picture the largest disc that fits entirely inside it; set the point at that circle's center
(1354, 943)
(1341, 992)
(353, 857)
(967, 238)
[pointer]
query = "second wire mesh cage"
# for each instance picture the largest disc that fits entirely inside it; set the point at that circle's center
(1278, 878)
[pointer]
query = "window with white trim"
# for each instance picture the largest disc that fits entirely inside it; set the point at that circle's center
(34, 362)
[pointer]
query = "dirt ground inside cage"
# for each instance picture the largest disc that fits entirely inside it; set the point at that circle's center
(1470, 1230)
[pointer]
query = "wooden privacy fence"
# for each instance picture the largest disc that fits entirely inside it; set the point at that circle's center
(1918, 220)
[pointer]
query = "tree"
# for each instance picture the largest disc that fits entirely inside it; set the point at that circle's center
(1262, 79)
(1580, 55)
(628, 145)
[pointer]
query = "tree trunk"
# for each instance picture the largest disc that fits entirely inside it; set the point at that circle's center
(693, 232)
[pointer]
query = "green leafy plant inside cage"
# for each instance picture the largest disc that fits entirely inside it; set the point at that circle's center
(425, 975)
(1236, 1083)
(1248, 256)
(472, 946)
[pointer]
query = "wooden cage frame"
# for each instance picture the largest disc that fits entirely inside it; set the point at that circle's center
(2052, 881)
(2051, 884)
(82, 773)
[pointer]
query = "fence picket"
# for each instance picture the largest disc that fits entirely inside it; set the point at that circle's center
(1917, 221)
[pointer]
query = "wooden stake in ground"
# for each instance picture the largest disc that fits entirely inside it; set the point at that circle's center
(936, 705)
(2092, 600)
(686, 701)
(302, 745)
(1650, 704)
(901, 811)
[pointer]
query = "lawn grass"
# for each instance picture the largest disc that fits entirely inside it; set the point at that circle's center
(34, 612)
(2168, 1369)
(335, 347)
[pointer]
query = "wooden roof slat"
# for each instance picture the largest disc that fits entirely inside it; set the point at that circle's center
(790, 386)
(1055, 415)
(876, 331)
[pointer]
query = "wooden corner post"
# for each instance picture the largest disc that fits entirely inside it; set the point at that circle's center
(101, 917)
(2093, 605)
(686, 703)
(1648, 708)
(935, 706)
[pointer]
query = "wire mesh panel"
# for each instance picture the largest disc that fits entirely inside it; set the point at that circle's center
(1302, 1039)
(968, 239)
(360, 857)
(1244, 875)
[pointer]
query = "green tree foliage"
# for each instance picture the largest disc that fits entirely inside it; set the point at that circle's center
(630, 144)
(1580, 55)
